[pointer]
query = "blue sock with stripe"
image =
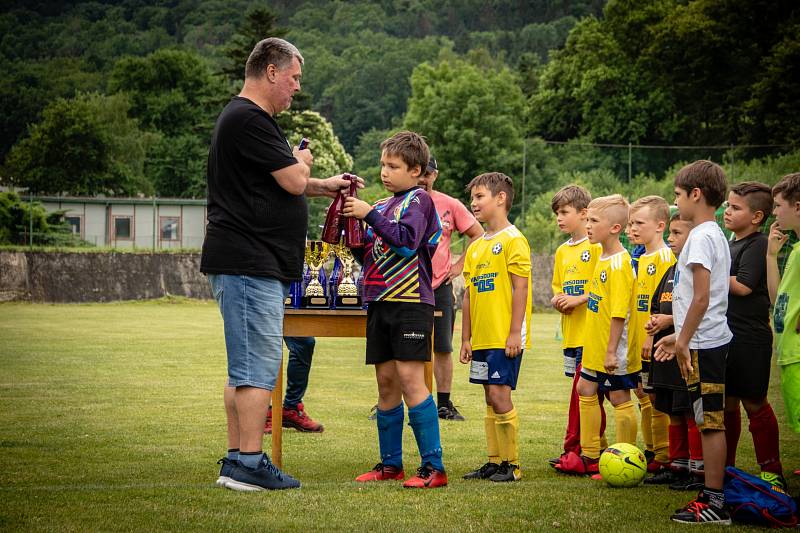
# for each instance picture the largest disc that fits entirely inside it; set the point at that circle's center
(424, 420)
(390, 435)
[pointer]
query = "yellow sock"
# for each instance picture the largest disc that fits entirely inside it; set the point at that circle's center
(590, 426)
(603, 441)
(625, 416)
(507, 436)
(490, 428)
(661, 436)
(647, 422)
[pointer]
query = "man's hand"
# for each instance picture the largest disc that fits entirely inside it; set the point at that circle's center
(304, 156)
(353, 207)
(610, 363)
(466, 352)
(776, 240)
(657, 323)
(331, 186)
(513, 344)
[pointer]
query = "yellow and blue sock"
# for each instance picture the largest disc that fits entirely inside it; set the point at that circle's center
(390, 435)
(424, 420)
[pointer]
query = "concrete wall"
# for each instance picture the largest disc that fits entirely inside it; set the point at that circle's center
(104, 277)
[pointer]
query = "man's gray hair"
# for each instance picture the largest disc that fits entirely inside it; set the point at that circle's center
(270, 51)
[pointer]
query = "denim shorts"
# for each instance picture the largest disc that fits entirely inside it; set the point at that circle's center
(252, 312)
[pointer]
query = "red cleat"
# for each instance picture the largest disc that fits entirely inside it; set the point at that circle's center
(578, 465)
(299, 420)
(426, 478)
(382, 472)
(654, 467)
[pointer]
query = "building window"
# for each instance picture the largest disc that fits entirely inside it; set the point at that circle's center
(123, 228)
(170, 228)
(75, 224)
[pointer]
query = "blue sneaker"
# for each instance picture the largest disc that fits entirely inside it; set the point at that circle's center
(225, 471)
(266, 476)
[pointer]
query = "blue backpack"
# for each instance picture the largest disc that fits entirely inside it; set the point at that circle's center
(755, 501)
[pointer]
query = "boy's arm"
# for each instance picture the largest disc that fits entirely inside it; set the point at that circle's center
(519, 299)
(407, 234)
(701, 278)
(751, 269)
(615, 334)
(473, 232)
(466, 330)
(776, 241)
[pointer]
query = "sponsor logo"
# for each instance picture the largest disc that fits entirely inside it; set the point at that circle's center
(628, 460)
(496, 375)
(413, 335)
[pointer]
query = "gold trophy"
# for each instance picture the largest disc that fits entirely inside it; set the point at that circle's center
(347, 292)
(315, 256)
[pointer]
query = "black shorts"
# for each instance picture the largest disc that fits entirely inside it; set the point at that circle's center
(747, 370)
(398, 330)
(443, 325)
(673, 402)
(706, 386)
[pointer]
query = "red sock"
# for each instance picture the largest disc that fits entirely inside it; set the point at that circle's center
(764, 428)
(572, 437)
(733, 428)
(600, 398)
(678, 442)
(695, 445)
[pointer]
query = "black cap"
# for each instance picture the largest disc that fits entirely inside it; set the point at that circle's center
(432, 165)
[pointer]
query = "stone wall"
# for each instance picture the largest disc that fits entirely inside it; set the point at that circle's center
(110, 276)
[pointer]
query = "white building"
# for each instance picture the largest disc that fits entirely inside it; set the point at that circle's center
(154, 223)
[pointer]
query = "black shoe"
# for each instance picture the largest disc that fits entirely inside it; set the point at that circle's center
(449, 412)
(265, 476)
(700, 512)
(690, 482)
(649, 456)
(665, 477)
(225, 471)
(506, 472)
(484, 472)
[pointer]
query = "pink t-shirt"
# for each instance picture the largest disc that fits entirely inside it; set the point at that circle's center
(454, 216)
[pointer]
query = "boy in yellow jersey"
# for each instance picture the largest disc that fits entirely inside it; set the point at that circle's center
(572, 269)
(496, 318)
(648, 219)
(608, 366)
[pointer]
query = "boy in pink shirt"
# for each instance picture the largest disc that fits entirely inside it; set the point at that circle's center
(454, 217)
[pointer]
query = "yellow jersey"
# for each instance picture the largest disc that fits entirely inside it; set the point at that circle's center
(610, 296)
(573, 268)
(488, 266)
(651, 269)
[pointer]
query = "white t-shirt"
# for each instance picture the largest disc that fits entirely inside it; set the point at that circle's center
(707, 247)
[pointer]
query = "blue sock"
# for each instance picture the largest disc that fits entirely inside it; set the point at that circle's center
(250, 459)
(390, 436)
(233, 454)
(424, 420)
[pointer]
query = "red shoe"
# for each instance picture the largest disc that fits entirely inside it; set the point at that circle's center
(426, 478)
(298, 419)
(578, 465)
(382, 472)
(654, 467)
(268, 423)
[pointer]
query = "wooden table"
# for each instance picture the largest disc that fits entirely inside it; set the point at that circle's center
(319, 323)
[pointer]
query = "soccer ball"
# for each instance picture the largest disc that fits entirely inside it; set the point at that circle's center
(623, 465)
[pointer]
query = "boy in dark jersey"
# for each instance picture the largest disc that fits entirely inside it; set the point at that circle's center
(401, 239)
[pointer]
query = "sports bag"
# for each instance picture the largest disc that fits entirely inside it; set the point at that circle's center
(755, 501)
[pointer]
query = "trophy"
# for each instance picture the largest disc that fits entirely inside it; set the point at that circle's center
(347, 295)
(315, 255)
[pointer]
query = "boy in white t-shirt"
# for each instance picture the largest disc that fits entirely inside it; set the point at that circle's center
(701, 338)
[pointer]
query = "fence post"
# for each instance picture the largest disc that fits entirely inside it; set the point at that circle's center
(524, 170)
(30, 220)
(629, 161)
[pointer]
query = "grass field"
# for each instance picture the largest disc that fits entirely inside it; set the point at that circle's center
(111, 419)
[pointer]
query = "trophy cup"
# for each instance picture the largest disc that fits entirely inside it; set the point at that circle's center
(315, 255)
(347, 295)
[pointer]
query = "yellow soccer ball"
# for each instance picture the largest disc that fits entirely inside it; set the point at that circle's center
(623, 465)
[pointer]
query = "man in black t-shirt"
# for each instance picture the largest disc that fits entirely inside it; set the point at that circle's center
(253, 249)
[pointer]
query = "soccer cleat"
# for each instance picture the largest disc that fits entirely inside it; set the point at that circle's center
(555, 460)
(654, 467)
(426, 478)
(690, 482)
(266, 476)
(506, 472)
(484, 472)
(449, 412)
(774, 479)
(664, 477)
(298, 419)
(649, 456)
(579, 465)
(225, 471)
(381, 472)
(700, 512)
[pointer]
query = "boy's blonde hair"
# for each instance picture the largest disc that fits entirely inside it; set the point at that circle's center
(496, 182)
(615, 208)
(659, 208)
(571, 195)
(410, 147)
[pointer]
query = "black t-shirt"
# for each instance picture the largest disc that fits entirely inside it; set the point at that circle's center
(664, 374)
(255, 227)
(748, 316)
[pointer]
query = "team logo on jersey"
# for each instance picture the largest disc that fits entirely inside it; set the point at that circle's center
(651, 269)
(585, 256)
(497, 248)
(603, 276)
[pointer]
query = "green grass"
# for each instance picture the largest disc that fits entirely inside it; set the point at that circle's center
(111, 419)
